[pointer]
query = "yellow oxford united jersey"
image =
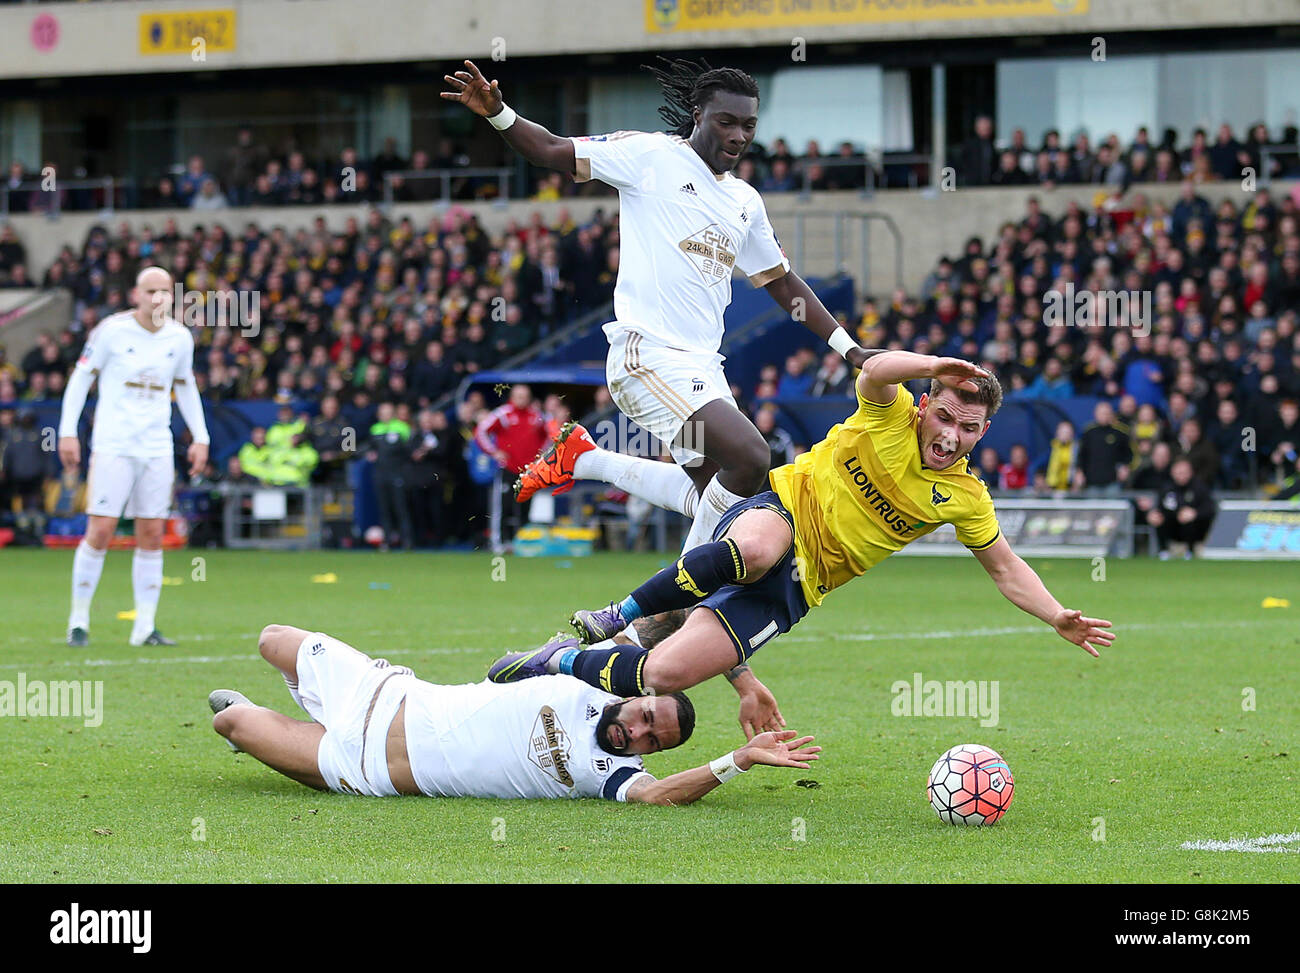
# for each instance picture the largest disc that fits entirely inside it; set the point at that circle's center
(861, 494)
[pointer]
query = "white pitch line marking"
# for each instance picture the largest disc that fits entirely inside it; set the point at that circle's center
(1268, 843)
(1009, 630)
(205, 659)
(828, 637)
(251, 636)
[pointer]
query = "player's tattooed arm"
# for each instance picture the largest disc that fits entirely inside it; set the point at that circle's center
(738, 673)
(534, 142)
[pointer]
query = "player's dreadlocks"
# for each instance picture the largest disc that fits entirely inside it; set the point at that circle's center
(688, 85)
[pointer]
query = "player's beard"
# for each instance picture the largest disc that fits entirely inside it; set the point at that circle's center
(607, 719)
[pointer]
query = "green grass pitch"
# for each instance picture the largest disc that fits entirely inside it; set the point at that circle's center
(1150, 746)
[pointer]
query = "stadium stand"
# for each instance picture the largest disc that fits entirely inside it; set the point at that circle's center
(381, 312)
(386, 311)
(252, 173)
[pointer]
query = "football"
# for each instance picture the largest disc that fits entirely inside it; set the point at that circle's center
(970, 784)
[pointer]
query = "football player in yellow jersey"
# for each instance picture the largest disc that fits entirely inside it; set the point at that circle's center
(893, 471)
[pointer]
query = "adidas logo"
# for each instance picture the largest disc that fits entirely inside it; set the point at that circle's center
(689, 188)
(744, 217)
(592, 712)
(697, 386)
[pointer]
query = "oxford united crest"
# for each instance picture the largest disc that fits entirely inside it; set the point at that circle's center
(666, 14)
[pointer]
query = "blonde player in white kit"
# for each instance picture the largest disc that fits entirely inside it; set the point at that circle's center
(685, 223)
(139, 356)
(379, 731)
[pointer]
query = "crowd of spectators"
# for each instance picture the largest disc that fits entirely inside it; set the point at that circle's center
(251, 173)
(363, 330)
(383, 317)
(1210, 375)
(982, 161)
(13, 259)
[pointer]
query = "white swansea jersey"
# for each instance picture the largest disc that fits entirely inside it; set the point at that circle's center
(683, 229)
(534, 738)
(136, 367)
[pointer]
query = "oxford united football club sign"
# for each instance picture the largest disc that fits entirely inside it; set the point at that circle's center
(663, 16)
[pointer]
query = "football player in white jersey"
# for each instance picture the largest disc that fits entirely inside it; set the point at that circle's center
(378, 730)
(140, 357)
(685, 222)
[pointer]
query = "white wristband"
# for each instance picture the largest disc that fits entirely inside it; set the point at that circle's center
(841, 341)
(504, 118)
(724, 768)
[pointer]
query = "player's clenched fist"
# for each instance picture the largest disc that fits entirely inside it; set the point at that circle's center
(69, 452)
(474, 91)
(197, 454)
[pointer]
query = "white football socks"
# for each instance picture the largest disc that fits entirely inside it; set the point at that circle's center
(541, 509)
(714, 502)
(665, 485)
(87, 565)
(146, 579)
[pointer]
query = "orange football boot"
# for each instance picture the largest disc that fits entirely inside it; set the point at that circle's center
(553, 467)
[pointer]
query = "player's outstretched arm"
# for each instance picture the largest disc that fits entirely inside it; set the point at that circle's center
(878, 381)
(792, 292)
(529, 139)
(1021, 585)
(773, 749)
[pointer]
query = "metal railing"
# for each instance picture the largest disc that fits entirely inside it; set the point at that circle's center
(911, 159)
(874, 166)
(586, 493)
(1267, 153)
(446, 177)
(50, 200)
(867, 163)
(841, 224)
(290, 521)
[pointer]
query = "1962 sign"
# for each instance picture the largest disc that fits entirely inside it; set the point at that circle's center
(174, 33)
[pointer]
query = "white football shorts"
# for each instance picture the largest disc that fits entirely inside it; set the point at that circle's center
(129, 486)
(355, 698)
(659, 388)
